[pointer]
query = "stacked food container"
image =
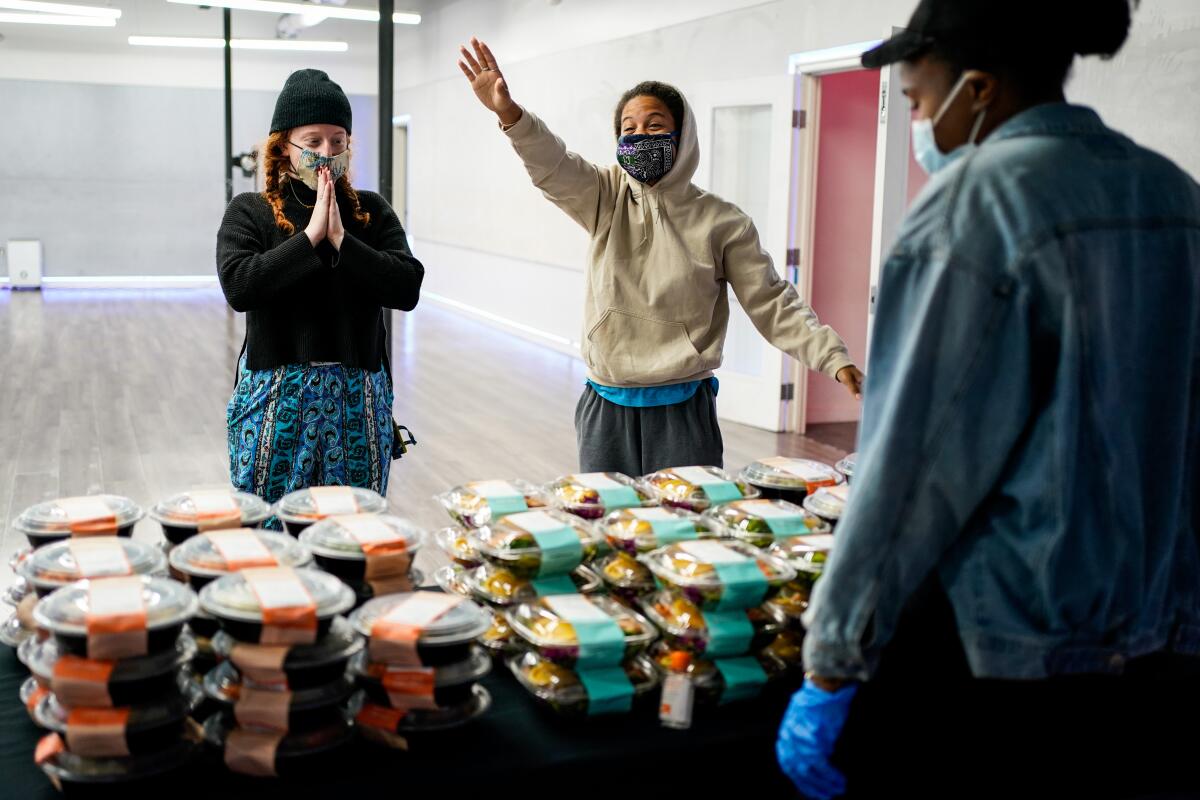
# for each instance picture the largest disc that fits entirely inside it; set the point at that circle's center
(421, 670)
(711, 610)
(111, 682)
(204, 557)
(300, 509)
(372, 553)
(512, 549)
(54, 521)
(283, 679)
(791, 479)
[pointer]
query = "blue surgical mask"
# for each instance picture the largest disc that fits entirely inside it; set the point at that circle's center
(647, 157)
(924, 143)
(310, 162)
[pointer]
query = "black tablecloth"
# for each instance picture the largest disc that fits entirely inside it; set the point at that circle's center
(517, 749)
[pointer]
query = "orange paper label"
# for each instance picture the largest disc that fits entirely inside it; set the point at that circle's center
(82, 682)
(48, 747)
(97, 732)
(263, 708)
(215, 509)
(332, 501)
(410, 688)
(99, 557)
(38, 695)
(88, 516)
(241, 549)
(116, 619)
(394, 635)
(288, 611)
(261, 664)
(373, 716)
(252, 752)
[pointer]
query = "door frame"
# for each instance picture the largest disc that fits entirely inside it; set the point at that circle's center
(749, 395)
(891, 175)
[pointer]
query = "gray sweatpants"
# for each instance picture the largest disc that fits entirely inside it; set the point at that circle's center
(638, 441)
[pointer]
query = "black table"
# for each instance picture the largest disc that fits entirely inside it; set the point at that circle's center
(516, 749)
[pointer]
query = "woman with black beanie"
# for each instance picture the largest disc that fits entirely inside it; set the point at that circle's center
(313, 262)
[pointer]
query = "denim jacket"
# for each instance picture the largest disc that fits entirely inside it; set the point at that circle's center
(1031, 422)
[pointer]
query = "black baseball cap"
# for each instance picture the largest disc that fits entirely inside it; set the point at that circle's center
(947, 21)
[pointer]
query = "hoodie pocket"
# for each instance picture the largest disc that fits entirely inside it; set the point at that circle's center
(629, 348)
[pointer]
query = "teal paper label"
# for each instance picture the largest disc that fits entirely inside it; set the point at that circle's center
(744, 585)
(608, 689)
(558, 584)
(729, 633)
(561, 551)
(744, 678)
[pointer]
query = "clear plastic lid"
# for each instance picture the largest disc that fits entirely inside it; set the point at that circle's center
(334, 537)
(19, 590)
(520, 537)
(13, 633)
(318, 502)
(690, 564)
(113, 772)
(59, 563)
(544, 625)
(232, 597)
(224, 684)
(339, 644)
(781, 472)
(420, 720)
(563, 687)
(500, 587)
(640, 530)
(593, 494)
(698, 488)
(41, 656)
(625, 572)
(477, 503)
(93, 514)
(828, 502)
(30, 689)
(65, 611)
(459, 625)
(846, 465)
(760, 522)
(196, 508)
(680, 617)
(805, 553)
(458, 545)
(203, 556)
(471, 669)
(52, 715)
(294, 744)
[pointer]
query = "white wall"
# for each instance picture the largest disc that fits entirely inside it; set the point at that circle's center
(493, 243)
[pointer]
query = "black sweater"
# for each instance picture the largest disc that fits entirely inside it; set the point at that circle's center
(314, 304)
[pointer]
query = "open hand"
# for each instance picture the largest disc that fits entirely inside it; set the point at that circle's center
(488, 82)
(852, 379)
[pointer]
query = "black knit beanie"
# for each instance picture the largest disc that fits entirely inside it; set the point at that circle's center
(310, 98)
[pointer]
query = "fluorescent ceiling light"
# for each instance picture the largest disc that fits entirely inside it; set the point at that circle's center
(61, 8)
(308, 9)
(58, 19)
(240, 44)
(289, 44)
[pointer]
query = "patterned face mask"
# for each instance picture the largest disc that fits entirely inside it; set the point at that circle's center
(310, 162)
(647, 157)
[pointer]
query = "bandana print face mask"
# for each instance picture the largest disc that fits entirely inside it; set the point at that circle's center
(310, 162)
(647, 157)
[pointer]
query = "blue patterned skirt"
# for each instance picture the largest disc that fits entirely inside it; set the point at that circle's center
(309, 425)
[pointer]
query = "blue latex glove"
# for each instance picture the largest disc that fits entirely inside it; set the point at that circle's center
(811, 726)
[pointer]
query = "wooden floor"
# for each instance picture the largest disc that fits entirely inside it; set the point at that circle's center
(125, 392)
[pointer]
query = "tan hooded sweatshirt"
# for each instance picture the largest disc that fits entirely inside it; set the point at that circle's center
(661, 256)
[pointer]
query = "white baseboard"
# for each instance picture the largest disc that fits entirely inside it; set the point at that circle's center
(125, 282)
(527, 332)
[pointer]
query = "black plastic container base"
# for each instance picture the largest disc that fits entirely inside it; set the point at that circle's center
(157, 640)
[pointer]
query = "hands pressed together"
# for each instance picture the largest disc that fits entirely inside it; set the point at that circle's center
(326, 221)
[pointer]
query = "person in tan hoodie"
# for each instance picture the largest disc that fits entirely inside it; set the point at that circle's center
(663, 251)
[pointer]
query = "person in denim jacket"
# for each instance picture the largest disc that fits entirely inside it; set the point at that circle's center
(1012, 605)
